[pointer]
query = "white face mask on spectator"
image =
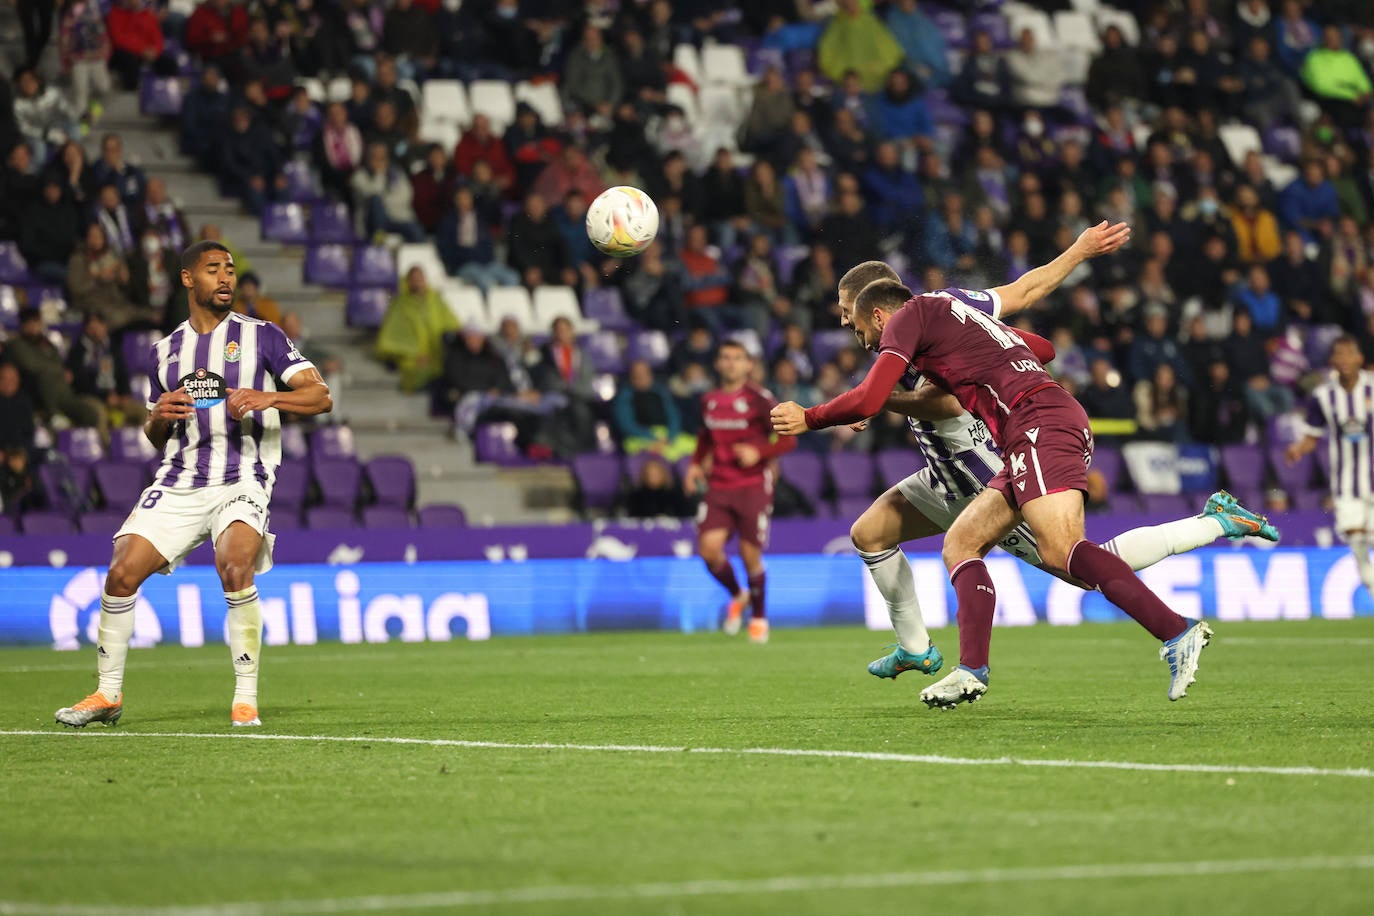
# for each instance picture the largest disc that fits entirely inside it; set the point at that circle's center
(1034, 127)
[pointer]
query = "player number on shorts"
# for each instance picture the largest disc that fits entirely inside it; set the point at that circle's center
(150, 500)
(966, 313)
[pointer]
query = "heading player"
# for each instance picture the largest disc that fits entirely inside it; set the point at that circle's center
(734, 460)
(960, 461)
(221, 380)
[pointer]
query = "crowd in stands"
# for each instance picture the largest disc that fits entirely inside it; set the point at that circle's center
(960, 141)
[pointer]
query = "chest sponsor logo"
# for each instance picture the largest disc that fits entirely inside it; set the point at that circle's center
(232, 351)
(205, 388)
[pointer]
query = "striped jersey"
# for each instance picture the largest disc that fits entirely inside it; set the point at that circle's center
(958, 450)
(211, 449)
(1346, 418)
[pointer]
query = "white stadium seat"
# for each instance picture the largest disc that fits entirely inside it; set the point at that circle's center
(467, 304)
(1239, 139)
(724, 64)
(722, 105)
(1130, 29)
(686, 59)
(1075, 30)
(446, 100)
(494, 99)
(313, 88)
(339, 89)
(1087, 6)
(1279, 172)
(445, 133)
(1038, 22)
(543, 98)
(512, 302)
(552, 302)
(420, 254)
(683, 97)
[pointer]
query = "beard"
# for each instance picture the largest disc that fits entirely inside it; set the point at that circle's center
(211, 303)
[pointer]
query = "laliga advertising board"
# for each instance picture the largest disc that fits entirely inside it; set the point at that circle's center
(440, 601)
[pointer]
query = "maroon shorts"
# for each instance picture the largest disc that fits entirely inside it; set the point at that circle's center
(1046, 447)
(740, 510)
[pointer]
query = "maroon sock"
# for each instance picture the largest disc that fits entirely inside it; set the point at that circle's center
(725, 575)
(1113, 576)
(977, 600)
(756, 582)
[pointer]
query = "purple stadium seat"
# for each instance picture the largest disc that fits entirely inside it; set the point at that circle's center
(1074, 100)
(787, 258)
(1250, 497)
(598, 477)
(385, 517)
(339, 480)
(285, 224)
(851, 507)
(80, 445)
(952, 26)
(1292, 478)
(301, 185)
(1310, 498)
(393, 480)
(825, 344)
(13, 268)
(605, 306)
(47, 523)
(804, 471)
(650, 346)
(851, 473)
(495, 443)
(943, 111)
(332, 442)
(160, 96)
(442, 516)
(603, 349)
(1283, 142)
(120, 482)
(1244, 466)
(328, 265)
(996, 27)
(65, 485)
(102, 522)
(293, 444)
(329, 518)
(138, 351)
(1107, 462)
(367, 307)
(634, 464)
(7, 526)
(284, 519)
(1170, 504)
(292, 485)
(897, 464)
(800, 59)
(374, 265)
(330, 222)
(1323, 456)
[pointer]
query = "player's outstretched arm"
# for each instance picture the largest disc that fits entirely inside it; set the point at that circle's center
(926, 402)
(309, 396)
(790, 419)
(171, 407)
(1034, 285)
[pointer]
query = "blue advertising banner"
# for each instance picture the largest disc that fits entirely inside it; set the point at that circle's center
(438, 601)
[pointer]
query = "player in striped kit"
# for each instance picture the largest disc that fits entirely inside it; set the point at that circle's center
(1341, 410)
(220, 380)
(961, 459)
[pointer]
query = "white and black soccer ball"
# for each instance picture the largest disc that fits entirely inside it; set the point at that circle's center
(622, 221)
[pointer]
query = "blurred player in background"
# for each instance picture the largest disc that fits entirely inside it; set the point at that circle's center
(221, 380)
(734, 461)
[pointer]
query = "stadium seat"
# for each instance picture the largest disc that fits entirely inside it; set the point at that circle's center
(1074, 29)
(374, 266)
(328, 265)
(422, 255)
(333, 442)
(494, 443)
(284, 520)
(467, 304)
(1239, 139)
(724, 64)
(851, 473)
(119, 482)
(385, 517)
(895, 465)
(686, 59)
(161, 96)
(1174, 505)
(393, 480)
(447, 101)
(512, 302)
(127, 443)
(138, 351)
(1295, 477)
(1108, 462)
(301, 183)
(650, 346)
(441, 516)
(1244, 465)
(339, 89)
(804, 471)
(1020, 17)
(49, 523)
(544, 99)
(367, 307)
(13, 269)
(494, 99)
(722, 105)
(329, 518)
(551, 302)
(313, 88)
(952, 26)
(101, 522)
(81, 445)
(1105, 16)
(851, 507)
(292, 486)
(605, 351)
(683, 97)
(606, 307)
(996, 26)
(339, 480)
(598, 480)
(825, 344)
(331, 223)
(293, 444)
(9, 307)
(285, 224)
(444, 134)
(7, 526)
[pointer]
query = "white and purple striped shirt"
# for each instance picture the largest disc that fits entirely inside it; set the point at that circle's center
(1348, 418)
(211, 449)
(958, 450)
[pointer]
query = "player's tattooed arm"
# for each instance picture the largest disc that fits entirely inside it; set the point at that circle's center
(171, 408)
(309, 395)
(925, 402)
(1036, 284)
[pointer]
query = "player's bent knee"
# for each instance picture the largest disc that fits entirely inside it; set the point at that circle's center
(866, 536)
(235, 576)
(121, 581)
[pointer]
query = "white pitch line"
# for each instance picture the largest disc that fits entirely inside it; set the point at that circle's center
(883, 756)
(711, 887)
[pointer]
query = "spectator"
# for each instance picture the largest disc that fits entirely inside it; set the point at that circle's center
(655, 494)
(765, 206)
(1162, 406)
(382, 198)
(849, 233)
(85, 48)
(677, 180)
(466, 246)
(566, 370)
(1256, 229)
(570, 172)
(216, 30)
(529, 146)
(641, 70)
(135, 39)
(111, 168)
(35, 21)
(1267, 94)
(17, 423)
(698, 349)
(432, 188)
(921, 42)
(653, 293)
(571, 219)
(98, 372)
(705, 283)
(155, 279)
(40, 362)
(49, 229)
(901, 114)
(769, 114)
(409, 36)
(1115, 76)
(98, 281)
(301, 122)
(1338, 78)
(479, 142)
(1258, 299)
(985, 81)
(811, 100)
(895, 198)
(411, 338)
(249, 166)
(20, 187)
(1037, 75)
(647, 418)
(806, 191)
(77, 175)
(1104, 397)
(386, 129)
(266, 58)
(536, 248)
(591, 76)
(857, 40)
(724, 206)
(1298, 279)
(338, 151)
(1156, 347)
(756, 281)
(42, 114)
(951, 239)
(850, 148)
(122, 226)
(164, 216)
(1248, 359)
(473, 367)
(788, 384)
(250, 302)
(204, 115)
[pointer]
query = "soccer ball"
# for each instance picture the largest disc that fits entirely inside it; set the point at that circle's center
(622, 221)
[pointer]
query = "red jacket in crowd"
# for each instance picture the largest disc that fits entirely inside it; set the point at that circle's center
(470, 149)
(212, 35)
(135, 32)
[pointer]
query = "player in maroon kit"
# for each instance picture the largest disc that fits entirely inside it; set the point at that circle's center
(734, 459)
(955, 340)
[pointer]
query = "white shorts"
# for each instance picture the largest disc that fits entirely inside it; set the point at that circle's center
(921, 490)
(1354, 514)
(176, 522)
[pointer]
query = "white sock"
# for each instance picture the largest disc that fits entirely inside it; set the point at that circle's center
(892, 574)
(245, 642)
(1359, 546)
(1142, 547)
(112, 643)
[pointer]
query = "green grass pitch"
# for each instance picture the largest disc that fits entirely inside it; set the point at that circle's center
(105, 821)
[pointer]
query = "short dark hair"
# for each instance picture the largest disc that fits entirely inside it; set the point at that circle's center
(191, 256)
(860, 275)
(888, 295)
(1347, 340)
(728, 342)
(29, 313)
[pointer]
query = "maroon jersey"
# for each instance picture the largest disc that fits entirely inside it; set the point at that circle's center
(740, 417)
